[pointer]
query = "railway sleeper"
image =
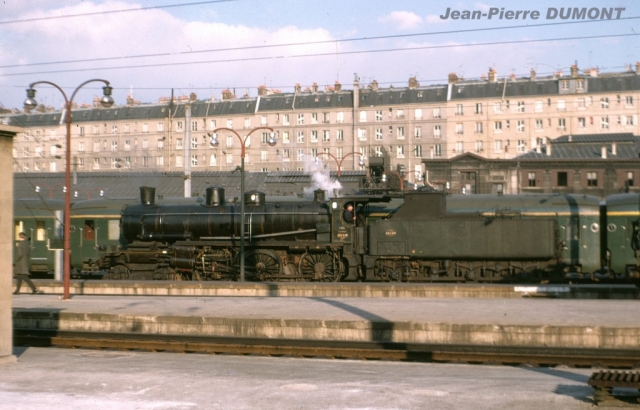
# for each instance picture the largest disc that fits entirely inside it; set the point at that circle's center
(604, 383)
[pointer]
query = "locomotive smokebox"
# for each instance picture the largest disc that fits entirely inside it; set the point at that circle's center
(147, 195)
(254, 198)
(318, 195)
(215, 196)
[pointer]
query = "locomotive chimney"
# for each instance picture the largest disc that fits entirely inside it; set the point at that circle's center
(318, 195)
(147, 195)
(214, 196)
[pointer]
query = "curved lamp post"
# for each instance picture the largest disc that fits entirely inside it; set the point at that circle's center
(243, 144)
(30, 102)
(339, 161)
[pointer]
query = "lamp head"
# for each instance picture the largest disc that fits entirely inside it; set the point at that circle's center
(214, 140)
(31, 102)
(106, 100)
(272, 139)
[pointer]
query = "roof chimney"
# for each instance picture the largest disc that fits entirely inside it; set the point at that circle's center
(604, 152)
(548, 147)
(262, 90)
(193, 97)
(492, 75)
(533, 74)
(374, 85)
(314, 87)
(227, 95)
(574, 71)
(298, 88)
(413, 82)
(593, 72)
(614, 148)
(638, 67)
(453, 78)
(338, 86)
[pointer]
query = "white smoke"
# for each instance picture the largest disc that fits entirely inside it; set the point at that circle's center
(320, 178)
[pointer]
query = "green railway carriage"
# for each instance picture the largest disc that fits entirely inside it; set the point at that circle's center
(622, 237)
(42, 221)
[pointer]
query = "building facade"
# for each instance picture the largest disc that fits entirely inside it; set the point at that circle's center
(492, 118)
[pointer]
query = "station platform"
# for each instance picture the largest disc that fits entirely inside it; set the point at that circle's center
(533, 322)
(338, 290)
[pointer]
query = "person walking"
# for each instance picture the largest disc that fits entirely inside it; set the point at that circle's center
(23, 256)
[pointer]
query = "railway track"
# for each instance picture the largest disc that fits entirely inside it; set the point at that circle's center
(506, 355)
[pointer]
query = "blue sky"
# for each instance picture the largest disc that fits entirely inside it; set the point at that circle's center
(184, 39)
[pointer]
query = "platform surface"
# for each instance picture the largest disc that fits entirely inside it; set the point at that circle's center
(612, 324)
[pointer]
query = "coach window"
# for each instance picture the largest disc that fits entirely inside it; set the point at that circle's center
(562, 179)
(40, 231)
(114, 229)
(89, 230)
(18, 227)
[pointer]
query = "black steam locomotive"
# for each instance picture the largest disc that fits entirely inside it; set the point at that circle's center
(412, 236)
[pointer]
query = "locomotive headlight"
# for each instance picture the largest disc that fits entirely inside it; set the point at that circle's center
(334, 205)
(253, 197)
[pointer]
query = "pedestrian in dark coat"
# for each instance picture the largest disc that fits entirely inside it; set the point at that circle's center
(23, 256)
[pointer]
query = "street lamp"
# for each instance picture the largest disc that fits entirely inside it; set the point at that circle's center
(30, 102)
(243, 143)
(339, 161)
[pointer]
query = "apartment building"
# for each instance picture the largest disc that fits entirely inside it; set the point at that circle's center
(493, 118)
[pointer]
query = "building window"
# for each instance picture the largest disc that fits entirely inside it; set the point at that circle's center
(417, 132)
(532, 179)
(326, 136)
(314, 136)
(562, 124)
(604, 103)
(437, 131)
(604, 122)
(285, 137)
(459, 128)
(417, 113)
(522, 146)
(194, 160)
(179, 126)
(378, 116)
(340, 135)
(459, 109)
(562, 179)
(230, 123)
(479, 146)
(592, 179)
(179, 143)
(497, 146)
(378, 134)
(300, 155)
(363, 116)
(400, 151)
(213, 160)
(194, 125)
(81, 146)
(160, 127)
(629, 179)
(178, 161)
(520, 126)
(497, 127)
(459, 147)
(520, 106)
(264, 156)
(400, 113)
(497, 108)
(145, 127)
(400, 133)
(436, 113)
(629, 101)
(564, 84)
(437, 150)
(362, 134)
(418, 151)
(229, 140)
(114, 146)
(300, 119)
(212, 125)
(580, 85)
(478, 128)
(582, 122)
(539, 124)
(561, 105)
(538, 106)
(194, 142)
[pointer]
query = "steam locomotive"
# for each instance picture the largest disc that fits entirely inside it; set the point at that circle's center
(412, 236)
